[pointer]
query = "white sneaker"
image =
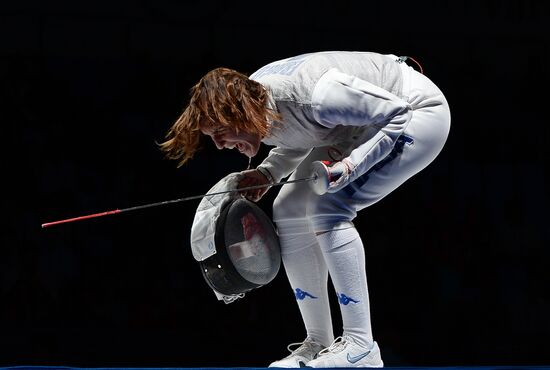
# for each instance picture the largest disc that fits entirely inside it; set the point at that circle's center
(299, 357)
(344, 352)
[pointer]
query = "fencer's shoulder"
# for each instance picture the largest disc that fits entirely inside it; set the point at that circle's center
(290, 79)
(281, 67)
(279, 87)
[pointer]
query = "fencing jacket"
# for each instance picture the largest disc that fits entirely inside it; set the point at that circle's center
(327, 98)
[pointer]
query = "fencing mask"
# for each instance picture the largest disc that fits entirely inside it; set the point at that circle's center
(234, 241)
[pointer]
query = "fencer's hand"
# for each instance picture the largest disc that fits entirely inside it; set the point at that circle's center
(331, 177)
(253, 178)
(340, 173)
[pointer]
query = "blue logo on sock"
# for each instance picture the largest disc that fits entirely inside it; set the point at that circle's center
(301, 295)
(344, 299)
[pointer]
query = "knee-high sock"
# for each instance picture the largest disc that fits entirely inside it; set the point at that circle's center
(345, 258)
(308, 276)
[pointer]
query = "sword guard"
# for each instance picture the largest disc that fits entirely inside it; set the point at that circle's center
(321, 173)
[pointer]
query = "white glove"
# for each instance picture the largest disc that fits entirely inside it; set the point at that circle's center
(331, 177)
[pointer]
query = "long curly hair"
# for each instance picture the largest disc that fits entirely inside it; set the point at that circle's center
(223, 97)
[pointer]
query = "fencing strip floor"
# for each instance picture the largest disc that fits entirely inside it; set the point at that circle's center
(254, 368)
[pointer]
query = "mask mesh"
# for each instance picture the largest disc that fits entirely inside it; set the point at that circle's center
(252, 242)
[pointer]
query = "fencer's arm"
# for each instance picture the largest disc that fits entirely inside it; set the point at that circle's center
(341, 99)
(281, 162)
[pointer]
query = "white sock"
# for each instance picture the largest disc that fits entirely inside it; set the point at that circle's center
(308, 276)
(345, 258)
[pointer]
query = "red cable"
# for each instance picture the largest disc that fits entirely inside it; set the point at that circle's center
(47, 224)
(418, 64)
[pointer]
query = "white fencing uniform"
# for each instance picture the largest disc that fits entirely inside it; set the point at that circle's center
(389, 121)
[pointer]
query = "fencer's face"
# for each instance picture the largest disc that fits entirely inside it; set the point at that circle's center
(227, 137)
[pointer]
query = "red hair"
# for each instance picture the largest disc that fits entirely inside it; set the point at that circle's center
(223, 97)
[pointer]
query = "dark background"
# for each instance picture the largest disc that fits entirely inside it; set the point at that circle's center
(457, 258)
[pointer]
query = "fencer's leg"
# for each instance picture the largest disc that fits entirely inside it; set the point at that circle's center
(308, 276)
(345, 258)
(343, 250)
(302, 257)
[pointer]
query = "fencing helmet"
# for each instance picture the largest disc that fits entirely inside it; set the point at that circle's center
(234, 242)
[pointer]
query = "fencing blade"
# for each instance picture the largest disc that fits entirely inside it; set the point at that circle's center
(193, 197)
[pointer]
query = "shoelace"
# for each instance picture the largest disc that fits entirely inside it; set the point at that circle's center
(336, 346)
(232, 298)
(301, 346)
